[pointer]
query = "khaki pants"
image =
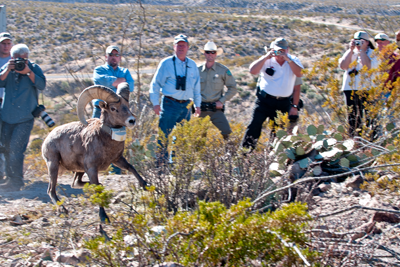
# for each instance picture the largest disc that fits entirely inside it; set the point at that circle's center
(219, 120)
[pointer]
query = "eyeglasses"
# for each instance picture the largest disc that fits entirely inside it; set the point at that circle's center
(211, 52)
(113, 55)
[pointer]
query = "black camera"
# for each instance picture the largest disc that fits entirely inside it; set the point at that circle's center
(39, 111)
(180, 83)
(19, 64)
(270, 71)
(353, 72)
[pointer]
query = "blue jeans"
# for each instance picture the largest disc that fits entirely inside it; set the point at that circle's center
(15, 138)
(172, 112)
(97, 114)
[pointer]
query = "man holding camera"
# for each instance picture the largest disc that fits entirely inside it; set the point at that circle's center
(21, 79)
(278, 71)
(214, 76)
(358, 55)
(111, 75)
(177, 78)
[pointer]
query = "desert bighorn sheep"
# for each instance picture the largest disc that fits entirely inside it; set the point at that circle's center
(91, 146)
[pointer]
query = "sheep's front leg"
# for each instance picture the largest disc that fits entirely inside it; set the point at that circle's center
(94, 179)
(124, 164)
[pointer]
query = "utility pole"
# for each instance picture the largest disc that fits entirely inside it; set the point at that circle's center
(3, 21)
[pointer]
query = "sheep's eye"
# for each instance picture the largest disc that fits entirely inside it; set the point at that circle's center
(114, 109)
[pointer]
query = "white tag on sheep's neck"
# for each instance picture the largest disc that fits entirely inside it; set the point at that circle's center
(118, 134)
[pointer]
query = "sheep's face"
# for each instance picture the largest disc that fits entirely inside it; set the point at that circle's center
(118, 114)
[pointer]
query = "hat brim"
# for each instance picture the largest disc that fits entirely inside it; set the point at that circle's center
(180, 40)
(276, 47)
(4, 38)
(220, 51)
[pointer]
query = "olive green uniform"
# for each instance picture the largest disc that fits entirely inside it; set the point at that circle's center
(213, 81)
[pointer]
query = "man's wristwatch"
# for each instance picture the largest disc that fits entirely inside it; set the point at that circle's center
(289, 61)
(296, 106)
(29, 73)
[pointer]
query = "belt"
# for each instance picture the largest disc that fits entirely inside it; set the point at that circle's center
(266, 95)
(176, 100)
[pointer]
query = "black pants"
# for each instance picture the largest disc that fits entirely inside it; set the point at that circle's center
(264, 108)
(355, 103)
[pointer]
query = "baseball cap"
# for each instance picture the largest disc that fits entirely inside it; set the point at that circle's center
(111, 48)
(361, 35)
(381, 36)
(280, 43)
(180, 38)
(5, 36)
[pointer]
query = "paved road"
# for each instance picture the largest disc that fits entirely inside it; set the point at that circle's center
(66, 76)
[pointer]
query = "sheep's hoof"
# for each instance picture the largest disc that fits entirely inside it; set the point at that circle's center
(62, 209)
(103, 216)
(79, 184)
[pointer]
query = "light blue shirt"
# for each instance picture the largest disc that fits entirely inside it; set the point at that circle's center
(164, 81)
(106, 75)
(21, 94)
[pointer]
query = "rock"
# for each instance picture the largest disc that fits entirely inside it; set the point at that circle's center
(296, 172)
(82, 255)
(66, 257)
(316, 191)
(386, 217)
(386, 178)
(324, 187)
(168, 264)
(354, 182)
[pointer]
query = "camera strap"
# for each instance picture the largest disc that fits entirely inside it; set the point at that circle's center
(176, 76)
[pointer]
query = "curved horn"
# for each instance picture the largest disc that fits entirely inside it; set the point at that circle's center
(123, 90)
(94, 92)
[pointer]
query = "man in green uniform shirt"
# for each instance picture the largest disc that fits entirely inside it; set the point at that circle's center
(214, 77)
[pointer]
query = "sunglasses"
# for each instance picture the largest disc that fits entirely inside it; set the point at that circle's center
(211, 52)
(113, 55)
(380, 40)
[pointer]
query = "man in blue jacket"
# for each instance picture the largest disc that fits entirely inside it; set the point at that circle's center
(111, 75)
(21, 79)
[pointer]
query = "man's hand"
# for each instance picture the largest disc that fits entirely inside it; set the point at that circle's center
(398, 36)
(118, 81)
(25, 70)
(197, 113)
(293, 111)
(352, 44)
(157, 109)
(219, 105)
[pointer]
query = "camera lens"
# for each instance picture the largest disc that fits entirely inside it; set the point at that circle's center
(47, 119)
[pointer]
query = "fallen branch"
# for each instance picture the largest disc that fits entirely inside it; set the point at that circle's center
(309, 179)
(352, 208)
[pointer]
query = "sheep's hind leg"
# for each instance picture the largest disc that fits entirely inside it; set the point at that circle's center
(78, 183)
(52, 167)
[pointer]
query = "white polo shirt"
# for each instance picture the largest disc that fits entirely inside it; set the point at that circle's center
(282, 82)
(356, 80)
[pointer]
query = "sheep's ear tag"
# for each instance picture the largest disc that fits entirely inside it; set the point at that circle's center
(118, 134)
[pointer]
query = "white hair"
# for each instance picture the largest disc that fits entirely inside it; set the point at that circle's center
(19, 49)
